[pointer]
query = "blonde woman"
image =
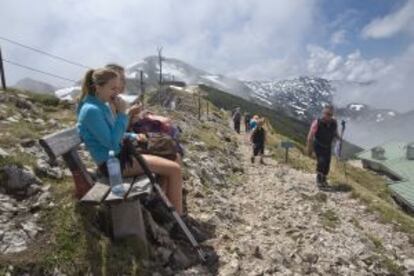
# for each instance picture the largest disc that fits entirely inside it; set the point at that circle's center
(102, 131)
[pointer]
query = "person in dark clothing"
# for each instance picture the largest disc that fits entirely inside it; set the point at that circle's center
(247, 118)
(236, 120)
(322, 134)
(258, 139)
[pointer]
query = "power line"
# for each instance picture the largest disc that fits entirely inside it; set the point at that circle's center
(44, 53)
(38, 71)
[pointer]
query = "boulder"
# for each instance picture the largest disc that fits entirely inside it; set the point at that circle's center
(17, 178)
(44, 169)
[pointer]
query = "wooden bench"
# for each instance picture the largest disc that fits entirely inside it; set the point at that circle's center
(125, 210)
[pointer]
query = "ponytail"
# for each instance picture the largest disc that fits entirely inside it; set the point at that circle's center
(88, 86)
(94, 78)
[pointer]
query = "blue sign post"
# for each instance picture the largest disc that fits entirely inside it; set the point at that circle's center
(287, 145)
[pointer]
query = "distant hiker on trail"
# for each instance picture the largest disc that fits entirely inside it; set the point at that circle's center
(258, 139)
(253, 122)
(247, 118)
(322, 134)
(236, 120)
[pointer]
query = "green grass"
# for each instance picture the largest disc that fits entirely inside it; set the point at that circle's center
(75, 241)
(368, 187)
(282, 123)
(42, 99)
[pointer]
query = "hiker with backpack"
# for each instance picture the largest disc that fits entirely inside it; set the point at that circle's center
(253, 122)
(258, 140)
(103, 131)
(237, 120)
(322, 134)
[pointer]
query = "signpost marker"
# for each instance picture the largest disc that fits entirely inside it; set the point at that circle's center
(287, 145)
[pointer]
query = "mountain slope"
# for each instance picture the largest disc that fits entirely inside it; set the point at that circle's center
(35, 86)
(177, 70)
(303, 97)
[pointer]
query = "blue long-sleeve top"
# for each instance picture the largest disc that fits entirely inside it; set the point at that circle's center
(100, 130)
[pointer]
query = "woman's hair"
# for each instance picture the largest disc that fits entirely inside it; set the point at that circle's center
(116, 67)
(329, 107)
(94, 77)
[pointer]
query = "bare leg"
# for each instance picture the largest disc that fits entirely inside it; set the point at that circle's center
(168, 170)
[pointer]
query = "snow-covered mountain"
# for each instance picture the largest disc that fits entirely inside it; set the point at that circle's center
(35, 86)
(177, 70)
(302, 97)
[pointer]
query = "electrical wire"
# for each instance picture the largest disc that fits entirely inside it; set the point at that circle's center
(44, 53)
(38, 71)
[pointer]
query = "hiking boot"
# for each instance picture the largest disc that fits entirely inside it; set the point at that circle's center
(324, 181)
(262, 162)
(319, 180)
(252, 160)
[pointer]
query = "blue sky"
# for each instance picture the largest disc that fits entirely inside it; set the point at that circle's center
(355, 15)
(351, 40)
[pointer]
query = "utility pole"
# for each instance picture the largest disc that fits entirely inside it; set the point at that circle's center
(142, 87)
(2, 73)
(159, 49)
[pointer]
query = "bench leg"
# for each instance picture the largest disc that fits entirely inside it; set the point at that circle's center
(127, 220)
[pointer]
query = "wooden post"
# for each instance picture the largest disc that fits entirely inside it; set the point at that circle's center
(160, 63)
(207, 110)
(142, 87)
(2, 73)
(287, 145)
(160, 76)
(287, 155)
(199, 105)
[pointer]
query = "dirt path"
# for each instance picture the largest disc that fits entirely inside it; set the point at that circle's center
(278, 223)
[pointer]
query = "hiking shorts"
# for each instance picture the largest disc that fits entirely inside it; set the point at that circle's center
(258, 149)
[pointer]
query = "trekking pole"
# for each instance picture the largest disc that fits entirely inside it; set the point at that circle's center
(203, 256)
(343, 124)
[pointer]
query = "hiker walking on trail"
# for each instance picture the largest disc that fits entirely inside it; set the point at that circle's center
(258, 139)
(247, 118)
(237, 120)
(322, 134)
(253, 122)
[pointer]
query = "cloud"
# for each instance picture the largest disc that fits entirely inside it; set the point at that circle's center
(353, 67)
(390, 82)
(218, 36)
(400, 21)
(339, 37)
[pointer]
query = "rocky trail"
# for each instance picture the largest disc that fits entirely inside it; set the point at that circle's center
(276, 222)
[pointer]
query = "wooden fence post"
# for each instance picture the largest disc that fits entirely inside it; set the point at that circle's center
(199, 105)
(2, 73)
(142, 88)
(207, 110)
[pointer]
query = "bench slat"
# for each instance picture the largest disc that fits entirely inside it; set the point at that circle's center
(141, 187)
(96, 194)
(61, 142)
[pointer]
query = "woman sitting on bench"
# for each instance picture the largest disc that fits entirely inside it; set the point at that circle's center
(144, 121)
(102, 132)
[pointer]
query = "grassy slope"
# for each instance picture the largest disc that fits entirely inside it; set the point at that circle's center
(367, 186)
(71, 240)
(291, 128)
